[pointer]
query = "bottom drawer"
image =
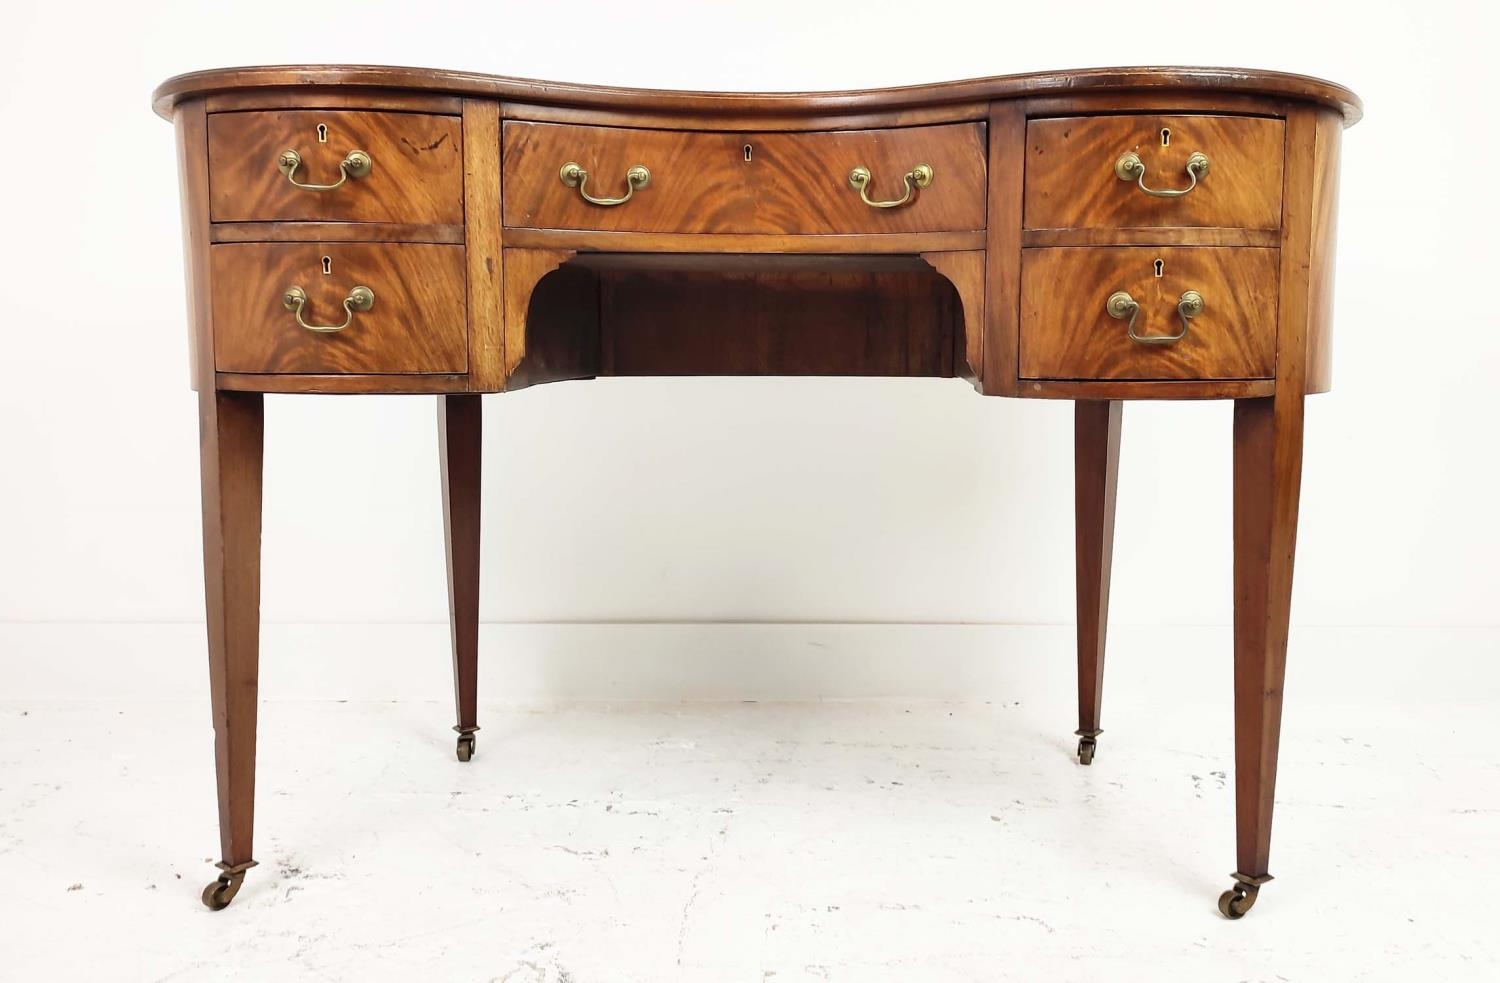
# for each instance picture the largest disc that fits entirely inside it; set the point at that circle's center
(415, 323)
(1069, 332)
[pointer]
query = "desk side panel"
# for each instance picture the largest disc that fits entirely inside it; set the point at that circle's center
(190, 120)
(1328, 137)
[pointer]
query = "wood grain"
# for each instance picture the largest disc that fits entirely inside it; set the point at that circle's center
(416, 177)
(813, 323)
(335, 97)
(1267, 484)
(231, 429)
(1153, 389)
(1151, 237)
(1268, 439)
(966, 271)
(340, 385)
(417, 324)
(1126, 83)
(482, 237)
(640, 117)
(1002, 334)
(460, 446)
(562, 328)
(523, 269)
(1067, 334)
(794, 183)
(191, 127)
(1096, 467)
(1327, 137)
(1071, 181)
(333, 232)
(705, 242)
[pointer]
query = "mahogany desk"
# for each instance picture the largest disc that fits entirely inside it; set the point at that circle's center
(1100, 235)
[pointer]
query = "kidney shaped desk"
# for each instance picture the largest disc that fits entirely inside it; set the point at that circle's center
(1098, 236)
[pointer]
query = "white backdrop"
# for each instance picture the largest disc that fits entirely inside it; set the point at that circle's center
(738, 500)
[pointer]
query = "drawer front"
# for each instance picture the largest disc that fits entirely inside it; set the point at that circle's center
(1072, 182)
(1067, 332)
(415, 167)
(417, 323)
(791, 183)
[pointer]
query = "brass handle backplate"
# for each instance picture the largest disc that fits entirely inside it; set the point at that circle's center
(359, 299)
(1121, 305)
(918, 177)
(1130, 168)
(356, 163)
(575, 176)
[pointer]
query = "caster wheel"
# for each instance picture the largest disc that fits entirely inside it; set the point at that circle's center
(1236, 901)
(1086, 746)
(465, 747)
(216, 896)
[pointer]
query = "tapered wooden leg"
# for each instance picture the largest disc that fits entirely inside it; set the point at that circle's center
(459, 433)
(1096, 463)
(1267, 483)
(231, 428)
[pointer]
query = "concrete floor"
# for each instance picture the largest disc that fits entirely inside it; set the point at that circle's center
(862, 842)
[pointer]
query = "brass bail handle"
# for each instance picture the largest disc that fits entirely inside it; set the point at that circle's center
(359, 299)
(356, 163)
(914, 179)
(574, 176)
(1130, 168)
(1121, 305)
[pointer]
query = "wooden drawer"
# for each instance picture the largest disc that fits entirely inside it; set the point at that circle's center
(1067, 333)
(415, 174)
(417, 323)
(1071, 181)
(791, 183)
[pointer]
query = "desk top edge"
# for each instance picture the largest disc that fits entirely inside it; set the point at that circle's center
(1247, 81)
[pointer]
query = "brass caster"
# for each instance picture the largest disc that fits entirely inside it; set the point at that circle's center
(1086, 746)
(216, 896)
(465, 747)
(1239, 899)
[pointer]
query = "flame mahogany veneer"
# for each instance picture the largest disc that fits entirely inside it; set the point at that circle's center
(1099, 236)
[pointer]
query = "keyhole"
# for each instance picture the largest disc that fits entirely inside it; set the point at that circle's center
(747, 153)
(1166, 136)
(322, 133)
(328, 265)
(1157, 266)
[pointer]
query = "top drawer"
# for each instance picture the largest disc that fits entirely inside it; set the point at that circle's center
(415, 172)
(747, 183)
(1073, 172)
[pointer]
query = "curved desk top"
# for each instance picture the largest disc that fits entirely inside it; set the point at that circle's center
(1138, 79)
(1098, 236)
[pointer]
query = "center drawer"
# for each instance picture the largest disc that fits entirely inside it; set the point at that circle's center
(755, 183)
